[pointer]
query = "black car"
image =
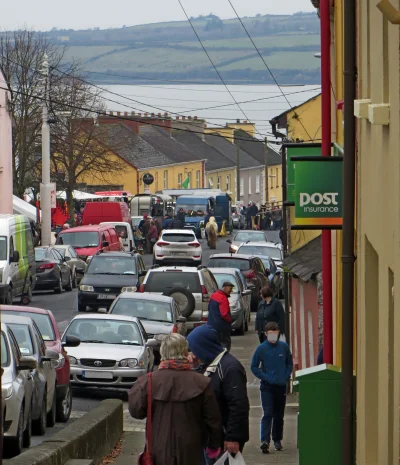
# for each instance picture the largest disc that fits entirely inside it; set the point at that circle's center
(107, 275)
(52, 271)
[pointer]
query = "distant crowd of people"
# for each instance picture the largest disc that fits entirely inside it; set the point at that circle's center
(264, 218)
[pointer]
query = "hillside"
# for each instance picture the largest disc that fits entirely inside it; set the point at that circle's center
(171, 51)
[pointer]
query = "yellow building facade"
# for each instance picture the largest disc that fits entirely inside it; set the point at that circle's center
(378, 235)
(224, 179)
(173, 176)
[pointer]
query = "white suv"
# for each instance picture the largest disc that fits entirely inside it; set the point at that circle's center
(190, 287)
(177, 246)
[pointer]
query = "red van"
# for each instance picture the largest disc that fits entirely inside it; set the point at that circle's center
(88, 240)
(102, 212)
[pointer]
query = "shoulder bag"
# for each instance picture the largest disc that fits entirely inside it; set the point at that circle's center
(145, 458)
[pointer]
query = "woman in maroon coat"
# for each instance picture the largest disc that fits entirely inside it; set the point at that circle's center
(185, 417)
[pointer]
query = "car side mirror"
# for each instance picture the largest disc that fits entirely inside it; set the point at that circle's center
(50, 355)
(229, 241)
(142, 273)
(151, 343)
(15, 257)
(181, 319)
(105, 244)
(28, 362)
(71, 341)
(102, 310)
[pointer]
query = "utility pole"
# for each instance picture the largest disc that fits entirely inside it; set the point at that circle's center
(45, 187)
(266, 170)
(238, 172)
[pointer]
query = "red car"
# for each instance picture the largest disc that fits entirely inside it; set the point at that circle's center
(48, 327)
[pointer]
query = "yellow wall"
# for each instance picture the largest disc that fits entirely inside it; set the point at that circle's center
(275, 184)
(127, 177)
(304, 122)
(173, 172)
(250, 128)
(223, 175)
(226, 132)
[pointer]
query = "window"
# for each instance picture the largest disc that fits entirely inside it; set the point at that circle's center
(146, 309)
(258, 184)
(112, 265)
(249, 184)
(229, 262)
(271, 180)
(165, 179)
(23, 337)
(276, 177)
(180, 180)
(228, 182)
(42, 321)
(198, 179)
(11, 246)
(218, 182)
(162, 281)
(241, 187)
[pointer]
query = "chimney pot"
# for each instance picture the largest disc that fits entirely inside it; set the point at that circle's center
(159, 114)
(111, 113)
(189, 117)
(165, 114)
(146, 114)
(177, 118)
(195, 117)
(153, 115)
(238, 121)
(139, 114)
(183, 117)
(118, 113)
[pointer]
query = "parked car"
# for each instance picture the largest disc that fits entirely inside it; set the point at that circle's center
(238, 302)
(17, 391)
(17, 258)
(238, 219)
(125, 232)
(160, 315)
(245, 236)
(114, 351)
(31, 343)
(177, 246)
(88, 240)
(107, 275)
(52, 271)
(252, 268)
(77, 265)
(263, 249)
(49, 330)
(190, 287)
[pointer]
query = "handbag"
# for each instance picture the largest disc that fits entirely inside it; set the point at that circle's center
(145, 458)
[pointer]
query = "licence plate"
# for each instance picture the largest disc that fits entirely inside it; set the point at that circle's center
(106, 296)
(179, 254)
(97, 375)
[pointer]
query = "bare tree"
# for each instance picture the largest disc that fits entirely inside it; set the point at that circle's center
(80, 147)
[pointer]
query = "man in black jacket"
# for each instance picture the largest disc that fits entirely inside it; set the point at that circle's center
(269, 309)
(229, 382)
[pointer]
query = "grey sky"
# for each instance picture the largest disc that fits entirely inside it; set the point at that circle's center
(83, 14)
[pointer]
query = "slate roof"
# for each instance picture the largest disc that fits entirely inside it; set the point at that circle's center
(306, 262)
(229, 150)
(255, 148)
(215, 160)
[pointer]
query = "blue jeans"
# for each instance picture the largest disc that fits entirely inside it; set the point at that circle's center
(273, 401)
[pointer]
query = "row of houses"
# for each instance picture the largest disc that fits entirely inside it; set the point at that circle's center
(176, 150)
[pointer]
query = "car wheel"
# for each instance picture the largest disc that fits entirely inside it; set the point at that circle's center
(64, 406)
(39, 425)
(184, 298)
(51, 416)
(16, 444)
(28, 430)
(241, 330)
(70, 284)
(81, 307)
(74, 280)
(59, 288)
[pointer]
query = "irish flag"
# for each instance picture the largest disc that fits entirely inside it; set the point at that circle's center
(186, 182)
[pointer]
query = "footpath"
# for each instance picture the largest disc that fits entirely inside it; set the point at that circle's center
(243, 348)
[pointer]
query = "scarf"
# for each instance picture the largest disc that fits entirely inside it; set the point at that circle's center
(180, 365)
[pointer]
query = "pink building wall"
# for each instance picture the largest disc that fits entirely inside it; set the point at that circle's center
(6, 178)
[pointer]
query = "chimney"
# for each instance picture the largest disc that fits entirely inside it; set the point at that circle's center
(159, 115)
(140, 115)
(195, 118)
(133, 113)
(238, 121)
(146, 114)
(118, 113)
(153, 115)
(183, 117)
(177, 118)
(165, 114)
(111, 113)
(189, 117)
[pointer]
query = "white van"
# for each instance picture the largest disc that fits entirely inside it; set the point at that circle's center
(17, 258)
(124, 231)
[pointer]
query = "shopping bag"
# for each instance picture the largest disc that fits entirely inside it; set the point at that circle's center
(237, 460)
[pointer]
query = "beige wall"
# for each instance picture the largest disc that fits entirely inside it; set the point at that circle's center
(378, 238)
(227, 180)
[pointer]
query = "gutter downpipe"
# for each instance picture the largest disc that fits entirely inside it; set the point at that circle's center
(348, 256)
(325, 15)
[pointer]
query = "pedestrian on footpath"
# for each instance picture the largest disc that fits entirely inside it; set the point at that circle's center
(185, 416)
(219, 314)
(272, 363)
(269, 309)
(229, 382)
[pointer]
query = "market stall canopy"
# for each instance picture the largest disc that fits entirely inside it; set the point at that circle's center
(20, 207)
(78, 195)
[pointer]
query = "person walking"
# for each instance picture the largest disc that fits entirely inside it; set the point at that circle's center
(182, 218)
(272, 363)
(253, 210)
(176, 224)
(152, 235)
(229, 383)
(145, 231)
(219, 314)
(269, 309)
(185, 416)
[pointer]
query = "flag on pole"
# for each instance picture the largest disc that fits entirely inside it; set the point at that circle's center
(186, 182)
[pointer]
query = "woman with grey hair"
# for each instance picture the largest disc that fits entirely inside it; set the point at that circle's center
(185, 416)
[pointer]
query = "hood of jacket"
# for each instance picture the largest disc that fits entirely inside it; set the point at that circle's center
(205, 344)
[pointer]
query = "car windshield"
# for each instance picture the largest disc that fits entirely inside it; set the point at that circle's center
(5, 355)
(143, 309)
(167, 280)
(169, 237)
(272, 252)
(43, 322)
(192, 207)
(79, 239)
(252, 236)
(229, 262)
(102, 331)
(41, 255)
(102, 264)
(23, 337)
(222, 278)
(3, 248)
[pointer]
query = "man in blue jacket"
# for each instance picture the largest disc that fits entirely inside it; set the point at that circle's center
(272, 363)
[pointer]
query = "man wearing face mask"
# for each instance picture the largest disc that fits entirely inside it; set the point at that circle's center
(272, 363)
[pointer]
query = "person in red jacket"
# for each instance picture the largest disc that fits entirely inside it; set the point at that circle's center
(219, 314)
